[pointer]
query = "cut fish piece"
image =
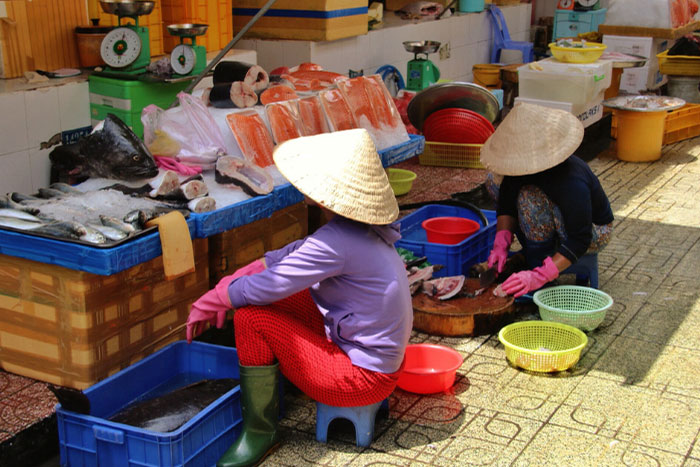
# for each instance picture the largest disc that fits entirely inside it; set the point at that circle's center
(337, 110)
(233, 95)
(277, 93)
(325, 78)
(249, 177)
(284, 120)
(313, 121)
(252, 136)
(230, 71)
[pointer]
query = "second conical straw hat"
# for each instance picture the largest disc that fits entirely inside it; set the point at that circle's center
(530, 139)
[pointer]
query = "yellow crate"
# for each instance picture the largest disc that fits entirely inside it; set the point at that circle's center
(683, 123)
(306, 20)
(678, 65)
(237, 247)
(215, 13)
(451, 155)
(73, 328)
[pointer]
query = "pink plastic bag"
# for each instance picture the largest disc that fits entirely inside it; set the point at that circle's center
(187, 132)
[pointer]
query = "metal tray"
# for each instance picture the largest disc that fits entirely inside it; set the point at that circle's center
(641, 103)
(468, 96)
(619, 60)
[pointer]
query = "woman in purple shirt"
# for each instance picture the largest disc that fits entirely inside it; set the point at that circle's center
(333, 311)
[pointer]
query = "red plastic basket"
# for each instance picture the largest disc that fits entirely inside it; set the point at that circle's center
(455, 125)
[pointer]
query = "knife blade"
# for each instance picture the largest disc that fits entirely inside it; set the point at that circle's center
(487, 277)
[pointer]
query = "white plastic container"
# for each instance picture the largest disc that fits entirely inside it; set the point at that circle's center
(574, 83)
(588, 113)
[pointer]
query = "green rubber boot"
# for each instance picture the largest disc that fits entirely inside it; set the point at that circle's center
(260, 407)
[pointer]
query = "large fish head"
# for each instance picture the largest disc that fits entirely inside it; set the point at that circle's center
(116, 152)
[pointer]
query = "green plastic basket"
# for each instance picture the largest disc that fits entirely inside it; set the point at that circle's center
(542, 346)
(582, 307)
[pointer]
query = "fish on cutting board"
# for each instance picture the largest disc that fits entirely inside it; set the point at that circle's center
(112, 150)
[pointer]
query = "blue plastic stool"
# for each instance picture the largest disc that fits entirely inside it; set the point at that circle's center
(585, 267)
(501, 38)
(362, 417)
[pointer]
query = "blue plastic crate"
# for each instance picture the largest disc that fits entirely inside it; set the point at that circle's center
(94, 259)
(92, 440)
(401, 152)
(457, 258)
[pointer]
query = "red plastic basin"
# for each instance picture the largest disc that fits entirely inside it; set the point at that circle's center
(429, 368)
(449, 230)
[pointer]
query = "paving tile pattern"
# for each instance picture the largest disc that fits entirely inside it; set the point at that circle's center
(632, 399)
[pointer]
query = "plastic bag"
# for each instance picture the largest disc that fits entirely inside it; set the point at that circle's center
(188, 132)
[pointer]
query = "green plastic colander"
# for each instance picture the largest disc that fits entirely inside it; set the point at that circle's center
(582, 307)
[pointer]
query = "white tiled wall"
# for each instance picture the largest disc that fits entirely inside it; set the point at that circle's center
(469, 35)
(33, 116)
(30, 118)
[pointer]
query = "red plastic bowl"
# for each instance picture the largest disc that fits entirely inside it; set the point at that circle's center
(455, 125)
(429, 368)
(449, 230)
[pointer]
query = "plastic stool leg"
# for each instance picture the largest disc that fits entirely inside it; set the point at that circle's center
(362, 418)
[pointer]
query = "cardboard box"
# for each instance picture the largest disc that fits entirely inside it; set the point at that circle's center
(306, 20)
(647, 47)
(74, 328)
(634, 80)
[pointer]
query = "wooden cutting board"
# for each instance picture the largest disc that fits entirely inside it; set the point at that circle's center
(464, 316)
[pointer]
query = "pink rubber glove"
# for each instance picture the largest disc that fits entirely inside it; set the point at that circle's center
(501, 245)
(212, 306)
(523, 282)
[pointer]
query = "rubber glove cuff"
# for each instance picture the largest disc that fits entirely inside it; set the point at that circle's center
(247, 270)
(522, 282)
(499, 252)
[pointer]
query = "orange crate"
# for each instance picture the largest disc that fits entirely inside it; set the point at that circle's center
(154, 22)
(40, 35)
(216, 13)
(451, 155)
(683, 123)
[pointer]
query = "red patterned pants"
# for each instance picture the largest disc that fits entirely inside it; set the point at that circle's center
(291, 331)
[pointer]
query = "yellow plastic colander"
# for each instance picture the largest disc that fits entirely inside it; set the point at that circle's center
(586, 52)
(542, 346)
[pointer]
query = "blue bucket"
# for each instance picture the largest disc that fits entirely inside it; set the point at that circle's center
(471, 6)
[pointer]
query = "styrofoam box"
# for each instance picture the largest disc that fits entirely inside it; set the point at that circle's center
(634, 80)
(575, 83)
(588, 113)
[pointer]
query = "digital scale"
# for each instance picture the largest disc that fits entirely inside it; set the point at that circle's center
(188, 59)
(421, 72)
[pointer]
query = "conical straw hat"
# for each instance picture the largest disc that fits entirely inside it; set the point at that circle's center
(531, 138)
(343, 172)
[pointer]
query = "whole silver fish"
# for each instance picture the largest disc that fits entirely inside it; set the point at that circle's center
(7, 202)
(65, 188)
(63, 229)
(93, 235)
(20, 224)
(110, 232)
(117, 224)
(19, 214)
(48, 193)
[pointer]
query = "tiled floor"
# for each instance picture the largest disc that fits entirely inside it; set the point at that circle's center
(633, 399)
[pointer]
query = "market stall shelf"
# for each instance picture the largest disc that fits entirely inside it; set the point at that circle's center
(74, 328)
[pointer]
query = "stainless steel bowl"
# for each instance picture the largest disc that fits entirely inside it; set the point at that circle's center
(440, 96)
(187, 29)
(127, 7)
(421, 47)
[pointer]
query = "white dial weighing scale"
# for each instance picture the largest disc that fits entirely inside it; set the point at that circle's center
(126, 49)
(188, 59)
